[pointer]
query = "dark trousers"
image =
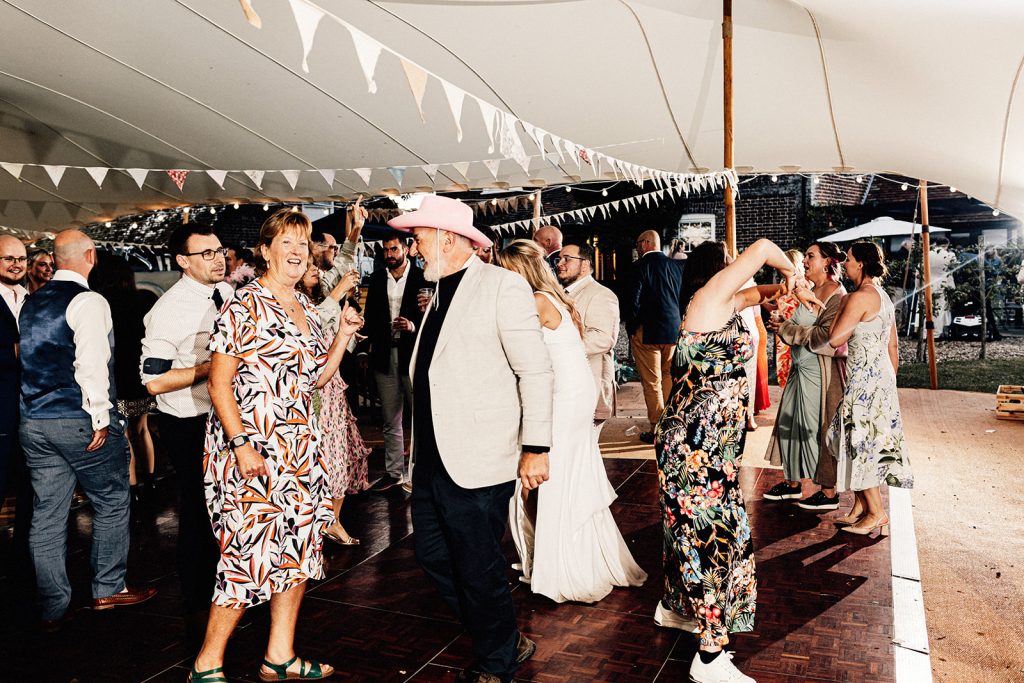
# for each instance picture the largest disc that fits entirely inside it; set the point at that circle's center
(198, 551)
(458, 543)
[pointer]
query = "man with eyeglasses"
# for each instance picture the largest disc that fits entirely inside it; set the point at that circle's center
(599, 308)
(335, 260)
(175, 366)
(12, 274)
(652, 320)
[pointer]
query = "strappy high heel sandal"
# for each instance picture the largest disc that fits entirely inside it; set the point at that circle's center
(882, 525)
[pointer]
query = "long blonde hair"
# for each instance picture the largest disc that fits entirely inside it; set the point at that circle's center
(526, 257)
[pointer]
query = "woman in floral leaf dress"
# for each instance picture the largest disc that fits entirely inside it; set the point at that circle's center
(708, 558)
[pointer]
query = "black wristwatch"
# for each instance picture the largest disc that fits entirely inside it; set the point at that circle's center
(239, 441)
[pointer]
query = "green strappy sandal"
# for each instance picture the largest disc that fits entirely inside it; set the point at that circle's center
(315, 671)
(208, 676)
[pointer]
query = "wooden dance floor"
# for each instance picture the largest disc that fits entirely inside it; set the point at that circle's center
(825, 609)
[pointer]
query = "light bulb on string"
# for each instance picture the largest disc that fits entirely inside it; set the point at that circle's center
(295, 209)
(213, 210)
(604, 193)
(904, 187)
(235, 205)
(817, 180)
(995, 212)
(107, 224)
(568, 189)
(775, 178)
(952, 189)
(494, 202)
(266, 207)
(860, 179)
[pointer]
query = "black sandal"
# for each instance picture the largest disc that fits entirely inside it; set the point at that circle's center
(205, 676)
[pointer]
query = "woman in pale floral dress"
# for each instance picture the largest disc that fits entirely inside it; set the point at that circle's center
(867, 433)
(341, 446)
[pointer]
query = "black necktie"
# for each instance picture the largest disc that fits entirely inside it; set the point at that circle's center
(218, 298)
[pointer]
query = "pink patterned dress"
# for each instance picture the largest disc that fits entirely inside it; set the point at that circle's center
(341, 445)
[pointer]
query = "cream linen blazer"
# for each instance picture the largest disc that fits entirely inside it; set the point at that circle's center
(599, 308)
(491, 381)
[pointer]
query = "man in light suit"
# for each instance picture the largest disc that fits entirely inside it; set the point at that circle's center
(599, 308)
(482, 402)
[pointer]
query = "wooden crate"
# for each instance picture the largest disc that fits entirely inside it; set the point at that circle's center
(1010, 402)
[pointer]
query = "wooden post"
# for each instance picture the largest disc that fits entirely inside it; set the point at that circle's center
(933, 378)
(536, 210)
(984, 295)
(730, 201)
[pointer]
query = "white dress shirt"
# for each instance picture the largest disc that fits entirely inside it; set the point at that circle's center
(396, 290)
(178, 330)
(14, 297)
(88, 316)
(569, 289)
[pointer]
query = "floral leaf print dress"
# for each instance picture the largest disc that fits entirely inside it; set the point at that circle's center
(866, 433)
(268, 528)
(709, 562)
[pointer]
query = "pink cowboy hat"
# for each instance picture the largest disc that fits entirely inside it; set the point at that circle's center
(442, 213)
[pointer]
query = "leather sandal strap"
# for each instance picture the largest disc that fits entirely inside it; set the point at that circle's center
(204, 676)
(280, 669)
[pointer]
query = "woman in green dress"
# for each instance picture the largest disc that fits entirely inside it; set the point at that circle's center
(814, 389)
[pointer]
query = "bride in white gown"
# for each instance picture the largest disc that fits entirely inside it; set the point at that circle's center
(570, 546)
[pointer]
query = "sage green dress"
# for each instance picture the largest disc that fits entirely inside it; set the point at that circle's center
(799, 416)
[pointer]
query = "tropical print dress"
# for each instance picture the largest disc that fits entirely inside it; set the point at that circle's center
(866, 433)
(787, 306)
(708, 557)
(268, 528)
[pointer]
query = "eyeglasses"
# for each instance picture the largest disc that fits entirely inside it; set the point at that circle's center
(563, 257)
(209, 254)
(13, 259)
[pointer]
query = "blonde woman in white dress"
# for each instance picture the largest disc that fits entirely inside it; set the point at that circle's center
(570, 546)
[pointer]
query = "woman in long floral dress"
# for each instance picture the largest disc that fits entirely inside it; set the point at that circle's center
(708, 559)
(867, 432)
(266, 485)
(342, 447)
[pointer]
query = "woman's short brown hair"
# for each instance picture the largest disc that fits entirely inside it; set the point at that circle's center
(870, 255)
(280, 221)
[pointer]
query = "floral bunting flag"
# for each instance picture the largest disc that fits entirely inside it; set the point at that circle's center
(178, 177)
(98, 174)
(308, 17)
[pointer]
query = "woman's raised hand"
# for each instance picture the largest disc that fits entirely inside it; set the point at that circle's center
(351, 321)
(807, 298)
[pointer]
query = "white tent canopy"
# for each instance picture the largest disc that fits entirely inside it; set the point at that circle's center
(820, 86)
(883, 226)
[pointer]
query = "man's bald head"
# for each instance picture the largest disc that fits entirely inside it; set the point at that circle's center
(549, 237)
(649, 240)
(10, 244)
(74, 250)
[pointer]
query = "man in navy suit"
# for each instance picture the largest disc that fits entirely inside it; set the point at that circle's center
(12, 275)
(653, 322)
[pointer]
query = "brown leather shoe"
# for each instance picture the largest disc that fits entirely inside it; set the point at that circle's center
(524, 649)
(132, 596)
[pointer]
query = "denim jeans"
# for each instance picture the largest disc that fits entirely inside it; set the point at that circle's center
(56, 457)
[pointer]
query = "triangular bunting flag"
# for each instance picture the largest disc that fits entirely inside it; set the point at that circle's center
(591, 210)
(604, 210)
(178, 177)
(368, 51)
(328, 175)
(647, 200)
(13, 169)
(292, 177)
(462, 167)
(98, 174)
(536, 134)
(256, 177)
(417, 78)
(616, 204)
(489, 112)
(308, 18)
(218, 177)
(138, 175)
(456, 98)
(55, 173)
(430, 170)
(557, 142)
(364, 173)
(492, 166)
(398, 173)
(250, 15)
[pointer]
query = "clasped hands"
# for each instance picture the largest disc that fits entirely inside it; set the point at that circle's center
(533, 469)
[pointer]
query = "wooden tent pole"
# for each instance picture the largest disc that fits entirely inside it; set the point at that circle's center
(933, 377)
(730, 201)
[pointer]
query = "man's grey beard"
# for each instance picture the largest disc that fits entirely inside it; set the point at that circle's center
(431, 271)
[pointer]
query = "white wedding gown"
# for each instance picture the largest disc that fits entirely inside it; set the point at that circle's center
(575, 552)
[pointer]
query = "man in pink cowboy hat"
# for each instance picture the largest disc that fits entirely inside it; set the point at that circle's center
(471, 439)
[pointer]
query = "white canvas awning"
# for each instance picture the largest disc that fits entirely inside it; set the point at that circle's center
(883, 226)
(820, 86)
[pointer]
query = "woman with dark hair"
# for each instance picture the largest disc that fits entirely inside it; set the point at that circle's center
(344, 452)
(866, 433)
(814, 387)
(703, 263)
(708, 558)
(114, 279)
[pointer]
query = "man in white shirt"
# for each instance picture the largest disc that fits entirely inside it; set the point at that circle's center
(70, 430)
(392, 320)
(13, 262)
(599, 308)
(175, 366)
(333, 259)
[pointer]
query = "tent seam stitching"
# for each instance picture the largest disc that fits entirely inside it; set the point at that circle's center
(1006, 130)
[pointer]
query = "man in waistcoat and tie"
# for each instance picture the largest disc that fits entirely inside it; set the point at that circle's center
(482, 401)
(71, 431)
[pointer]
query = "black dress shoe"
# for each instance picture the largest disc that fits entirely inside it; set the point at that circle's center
(819, 501)
(647, 437)
(384, 483)
(782, 491)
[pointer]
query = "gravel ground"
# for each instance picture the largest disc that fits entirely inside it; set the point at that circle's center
(1008, 347)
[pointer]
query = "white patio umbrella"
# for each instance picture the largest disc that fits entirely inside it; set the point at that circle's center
(883, 226)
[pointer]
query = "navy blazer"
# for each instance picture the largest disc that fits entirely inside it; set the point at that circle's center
(654, 304)
(378, 318)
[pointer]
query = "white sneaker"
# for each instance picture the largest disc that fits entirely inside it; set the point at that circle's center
(669, 619)
(721, 670)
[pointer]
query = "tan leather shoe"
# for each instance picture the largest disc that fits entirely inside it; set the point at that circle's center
(131, 596)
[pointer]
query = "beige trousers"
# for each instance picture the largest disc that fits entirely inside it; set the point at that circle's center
(654, 363)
